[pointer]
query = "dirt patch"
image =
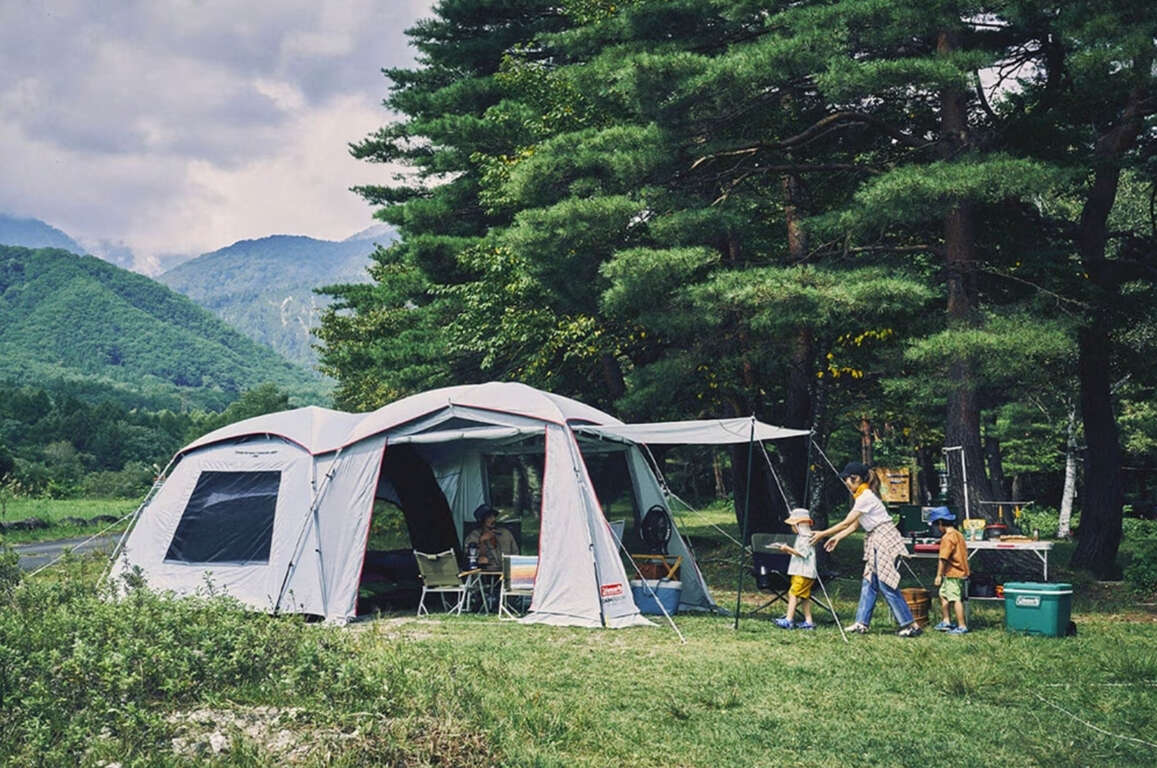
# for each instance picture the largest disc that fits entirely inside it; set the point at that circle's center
(287, 736)
(281, 732)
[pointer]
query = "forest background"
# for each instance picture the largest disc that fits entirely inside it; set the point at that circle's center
(903, 225)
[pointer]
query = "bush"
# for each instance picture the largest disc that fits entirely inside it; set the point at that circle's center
(74, 664)
(132, 482)
(1139, 550)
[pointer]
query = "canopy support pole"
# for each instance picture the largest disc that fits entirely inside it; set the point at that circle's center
(746, 516)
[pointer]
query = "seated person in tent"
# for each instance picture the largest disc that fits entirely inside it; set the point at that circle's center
(493, 541)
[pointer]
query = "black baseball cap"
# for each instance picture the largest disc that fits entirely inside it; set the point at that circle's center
(855, 468)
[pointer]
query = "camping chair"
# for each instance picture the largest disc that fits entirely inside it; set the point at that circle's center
(440, 574)
(518, 574)
(769, 566)
(770, 569)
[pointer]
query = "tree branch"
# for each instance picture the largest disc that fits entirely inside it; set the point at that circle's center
(1041, 288)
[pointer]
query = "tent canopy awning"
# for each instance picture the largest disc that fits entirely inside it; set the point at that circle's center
(696, 432)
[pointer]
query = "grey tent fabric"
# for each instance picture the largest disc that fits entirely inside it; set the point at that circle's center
(319, 472)
(697, 432)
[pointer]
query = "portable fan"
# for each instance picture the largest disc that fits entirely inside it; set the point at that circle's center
(655, 530)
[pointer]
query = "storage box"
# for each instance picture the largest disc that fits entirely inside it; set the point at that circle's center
(668, 593)
(1038, 608)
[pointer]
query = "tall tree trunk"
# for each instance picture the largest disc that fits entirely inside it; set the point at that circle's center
(717, 470)
(929, 477)
(865, 440)
(1070, 490)
(801, 371)
(1101, 511)
(1100, 530)
(962, 427)
(612, 376)
(817, 465)
(996, 468)
(798, 408)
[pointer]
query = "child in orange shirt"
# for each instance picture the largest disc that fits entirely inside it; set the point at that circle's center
(951, 571)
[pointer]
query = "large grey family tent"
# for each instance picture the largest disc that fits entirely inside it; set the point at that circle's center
(276, 510)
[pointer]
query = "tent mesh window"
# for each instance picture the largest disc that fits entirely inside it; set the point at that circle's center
(229, 519)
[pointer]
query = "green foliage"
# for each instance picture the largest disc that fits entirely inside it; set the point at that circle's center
(261, 400)
(77, 318)
(913, 195)
(63, 446)
(1139, 546)
(1007, 348)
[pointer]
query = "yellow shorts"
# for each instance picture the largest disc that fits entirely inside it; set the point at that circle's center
(801, 587)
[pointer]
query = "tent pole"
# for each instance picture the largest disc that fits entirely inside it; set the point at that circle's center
(299, 547)
(746, 509)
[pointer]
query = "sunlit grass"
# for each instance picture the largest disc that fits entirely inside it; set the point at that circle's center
(473, 690)
(55, 511)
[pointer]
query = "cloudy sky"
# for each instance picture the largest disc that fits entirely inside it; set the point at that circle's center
(181, 126)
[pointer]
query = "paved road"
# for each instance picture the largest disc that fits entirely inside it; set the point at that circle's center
(32, 556)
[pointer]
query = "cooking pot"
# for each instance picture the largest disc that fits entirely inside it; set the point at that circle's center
(995, 530)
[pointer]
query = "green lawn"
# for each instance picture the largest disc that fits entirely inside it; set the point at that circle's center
(54, 512)
(475, 691)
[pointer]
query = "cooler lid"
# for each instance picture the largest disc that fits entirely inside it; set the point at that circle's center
(1038, 587)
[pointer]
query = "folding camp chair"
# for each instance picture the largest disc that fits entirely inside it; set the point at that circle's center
(440, 574)
(518, 574)
(769, 566)
(770, 569)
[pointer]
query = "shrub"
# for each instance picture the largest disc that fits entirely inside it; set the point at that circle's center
(129, 483)
(74, 664)
(1139, 550)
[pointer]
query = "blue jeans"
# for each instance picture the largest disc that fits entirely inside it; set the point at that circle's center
(892, 596)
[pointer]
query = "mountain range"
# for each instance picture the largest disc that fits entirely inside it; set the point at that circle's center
(263, 287)
(34, 233)
(78, 320)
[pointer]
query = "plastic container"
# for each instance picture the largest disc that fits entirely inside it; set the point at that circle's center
(1038, 608)
(668, 593)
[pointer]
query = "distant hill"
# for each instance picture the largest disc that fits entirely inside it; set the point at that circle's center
(264, 287)
(81, 320)
(34, 233)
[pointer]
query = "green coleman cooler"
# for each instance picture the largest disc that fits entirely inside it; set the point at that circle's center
(1037, 608)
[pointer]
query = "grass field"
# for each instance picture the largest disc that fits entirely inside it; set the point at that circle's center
(55, 511)
(85, 682)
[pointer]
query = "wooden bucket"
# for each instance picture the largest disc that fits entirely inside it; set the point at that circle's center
(918, 601)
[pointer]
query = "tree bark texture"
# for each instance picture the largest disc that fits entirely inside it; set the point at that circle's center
(1100, 529)
(962, 427)
(801, 370)
(798, 410)
(1069, 494)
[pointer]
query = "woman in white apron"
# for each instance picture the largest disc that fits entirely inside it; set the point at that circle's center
(883, 548)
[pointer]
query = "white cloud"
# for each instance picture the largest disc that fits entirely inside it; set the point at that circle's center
(184, 125)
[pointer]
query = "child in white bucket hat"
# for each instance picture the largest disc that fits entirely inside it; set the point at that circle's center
(802, 570)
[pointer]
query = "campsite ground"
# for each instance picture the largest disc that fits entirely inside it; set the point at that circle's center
(151, 682)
